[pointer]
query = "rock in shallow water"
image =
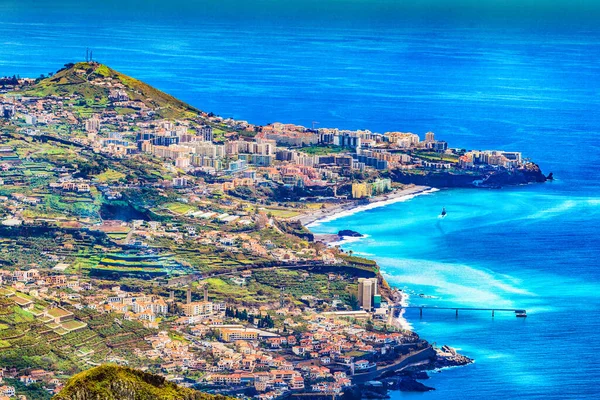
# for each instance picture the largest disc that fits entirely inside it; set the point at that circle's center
(411, 385)
(348, 233)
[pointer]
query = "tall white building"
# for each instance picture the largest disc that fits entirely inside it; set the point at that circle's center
(367, 290)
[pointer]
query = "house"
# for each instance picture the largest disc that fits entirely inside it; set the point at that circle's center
(284, 375)
(260, 386)
(40, 374)
(361, 365)
(233, 334)
(240, 281)
(7, 391)
(297, 383)
(276, 342)
(27, 380)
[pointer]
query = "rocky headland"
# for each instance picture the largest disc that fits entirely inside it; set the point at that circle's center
(529, 173)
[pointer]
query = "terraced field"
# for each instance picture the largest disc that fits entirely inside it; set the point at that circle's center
(152, 265)
(27, 341)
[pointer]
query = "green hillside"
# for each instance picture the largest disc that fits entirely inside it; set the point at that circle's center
(90, 83)
(111, 382)
(29, 338)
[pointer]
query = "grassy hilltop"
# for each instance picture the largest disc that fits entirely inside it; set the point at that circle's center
(92, 82)
(111, 382)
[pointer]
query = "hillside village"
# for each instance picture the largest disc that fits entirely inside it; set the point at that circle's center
(140, 231)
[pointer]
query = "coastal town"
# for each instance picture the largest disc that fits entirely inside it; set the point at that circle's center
(139, 231)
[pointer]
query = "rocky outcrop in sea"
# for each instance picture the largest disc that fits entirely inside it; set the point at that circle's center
(446, 356)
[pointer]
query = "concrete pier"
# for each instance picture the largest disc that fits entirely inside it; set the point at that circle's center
(519, 311)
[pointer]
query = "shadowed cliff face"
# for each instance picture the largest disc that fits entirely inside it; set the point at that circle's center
(110, 382)
(530, 173)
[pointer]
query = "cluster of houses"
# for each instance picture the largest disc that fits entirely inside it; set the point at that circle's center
(238, 154)
(40, 376)
(227, 353)
(273, 154)
(323, 359)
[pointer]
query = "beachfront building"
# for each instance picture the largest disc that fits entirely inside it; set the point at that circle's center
(360, 190)
(368, 296)
(367, 189)
(380, 186)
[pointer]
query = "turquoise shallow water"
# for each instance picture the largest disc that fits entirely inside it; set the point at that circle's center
(531, 247)
(531, 87)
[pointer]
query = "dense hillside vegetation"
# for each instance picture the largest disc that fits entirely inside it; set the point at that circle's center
(109, 382)
(94, 82)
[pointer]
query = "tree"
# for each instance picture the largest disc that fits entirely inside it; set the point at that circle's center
(353, 302)
(319, 247)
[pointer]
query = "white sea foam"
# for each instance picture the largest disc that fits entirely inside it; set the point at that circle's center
(456, 281)
(364, 253)
(348, 239)
(438, 370)
(553, 211)
(402, 321)
(370, 206)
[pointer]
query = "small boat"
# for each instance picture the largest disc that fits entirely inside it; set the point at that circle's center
(521, 314)
(443, 214)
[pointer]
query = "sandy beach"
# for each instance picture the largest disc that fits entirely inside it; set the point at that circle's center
(337, 211)
(400, 321)
(342, 210)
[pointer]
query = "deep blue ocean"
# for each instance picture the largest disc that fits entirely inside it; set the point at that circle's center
(528, 88)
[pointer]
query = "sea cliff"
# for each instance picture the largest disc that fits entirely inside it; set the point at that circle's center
(529, 173)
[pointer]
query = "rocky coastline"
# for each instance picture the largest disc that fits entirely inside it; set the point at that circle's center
(409, 377)
(349, 233)
(494, 179)
(405, 377)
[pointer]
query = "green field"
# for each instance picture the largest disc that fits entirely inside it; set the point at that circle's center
(433, 156)
(321, 150)
(110, 176)
(179, 208)
(282, 213)
(72, 325)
